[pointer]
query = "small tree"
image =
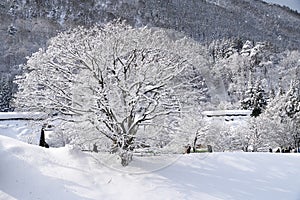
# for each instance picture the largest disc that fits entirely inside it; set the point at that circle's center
(5, 95)
(118, 80)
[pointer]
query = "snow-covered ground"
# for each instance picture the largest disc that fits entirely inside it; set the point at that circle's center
(293, 4)
(29, 172)
(27, 131)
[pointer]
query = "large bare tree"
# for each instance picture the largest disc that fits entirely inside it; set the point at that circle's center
(115, 79)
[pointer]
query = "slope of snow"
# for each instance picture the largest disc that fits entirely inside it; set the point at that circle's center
(31, 172)
(293, 4)
(27, 131)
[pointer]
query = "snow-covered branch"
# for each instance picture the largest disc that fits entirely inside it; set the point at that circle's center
(115, 78)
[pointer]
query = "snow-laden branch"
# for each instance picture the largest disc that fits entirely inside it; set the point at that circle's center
(114, 77)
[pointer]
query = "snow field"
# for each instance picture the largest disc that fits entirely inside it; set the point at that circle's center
(30, 172)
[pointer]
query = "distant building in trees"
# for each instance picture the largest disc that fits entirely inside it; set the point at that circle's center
(227, 115)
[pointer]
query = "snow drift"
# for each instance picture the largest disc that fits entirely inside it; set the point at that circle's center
(31, 172)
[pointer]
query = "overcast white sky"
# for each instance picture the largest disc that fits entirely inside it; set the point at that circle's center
(293, 4)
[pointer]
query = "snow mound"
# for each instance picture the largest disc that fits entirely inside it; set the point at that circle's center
(29, 172)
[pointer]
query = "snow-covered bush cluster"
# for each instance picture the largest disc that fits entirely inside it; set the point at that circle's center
(254, 76)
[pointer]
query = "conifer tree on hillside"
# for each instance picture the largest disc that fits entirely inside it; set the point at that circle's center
(292, 101)
(255, 100)
(5, 96)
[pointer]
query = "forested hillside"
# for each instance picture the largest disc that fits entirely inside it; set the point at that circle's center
(27, 25)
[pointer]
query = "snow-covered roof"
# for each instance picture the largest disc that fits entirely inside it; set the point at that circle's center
(221, 113)
(22, 115)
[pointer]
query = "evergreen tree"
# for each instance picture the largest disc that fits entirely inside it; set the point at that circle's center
(5, 96)
(255, 100)
(292, 104)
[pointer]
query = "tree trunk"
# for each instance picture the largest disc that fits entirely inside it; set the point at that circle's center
(126, 157)
(195, 141)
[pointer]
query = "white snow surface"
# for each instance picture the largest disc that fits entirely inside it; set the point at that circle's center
(30, 172)
(293, 4)
(22, 115)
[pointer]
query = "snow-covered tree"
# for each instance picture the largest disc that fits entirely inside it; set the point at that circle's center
(116, 81)
(255, 100)
(292, 103)
(282, 117)
(5, 95)
(288, 69)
